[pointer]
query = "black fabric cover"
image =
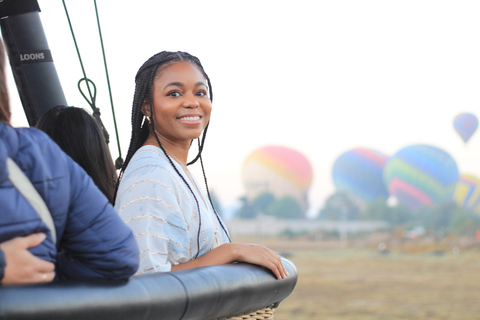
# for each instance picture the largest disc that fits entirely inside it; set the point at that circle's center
(32, 64)
(14, 7)
(202, 293)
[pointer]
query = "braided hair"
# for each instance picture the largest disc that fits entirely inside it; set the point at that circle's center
(141, 127)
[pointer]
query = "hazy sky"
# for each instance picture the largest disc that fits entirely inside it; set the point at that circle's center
(320, 77)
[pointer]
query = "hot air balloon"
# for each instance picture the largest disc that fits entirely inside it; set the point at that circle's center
(359, 172)
(465, 124)
(420, 175)
(467, 193)
(277, 170)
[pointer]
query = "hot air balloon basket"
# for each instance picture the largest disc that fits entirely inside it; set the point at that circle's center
(261, 314)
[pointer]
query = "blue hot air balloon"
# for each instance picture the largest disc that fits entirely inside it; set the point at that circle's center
(419, 175)
(358, 172)
(465, 124)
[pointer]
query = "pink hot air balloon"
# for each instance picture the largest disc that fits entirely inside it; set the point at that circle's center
(465, 124)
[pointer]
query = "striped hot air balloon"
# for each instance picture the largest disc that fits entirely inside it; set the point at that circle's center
(465, 124)
(278, 170)
(359, 172)
(467, 193)
(421, 175)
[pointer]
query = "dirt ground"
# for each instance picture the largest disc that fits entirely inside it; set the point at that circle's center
(417, 280)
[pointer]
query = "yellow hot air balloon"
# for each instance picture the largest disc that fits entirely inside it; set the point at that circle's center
(467, 193)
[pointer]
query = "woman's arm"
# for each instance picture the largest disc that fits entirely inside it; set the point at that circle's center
(235, 252)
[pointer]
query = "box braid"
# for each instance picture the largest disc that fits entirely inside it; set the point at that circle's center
(140, 127)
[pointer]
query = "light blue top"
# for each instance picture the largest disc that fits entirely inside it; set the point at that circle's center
(157, 205)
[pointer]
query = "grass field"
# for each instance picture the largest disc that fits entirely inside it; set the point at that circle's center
(339, 282)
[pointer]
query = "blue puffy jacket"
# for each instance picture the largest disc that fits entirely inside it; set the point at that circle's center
(92, 240)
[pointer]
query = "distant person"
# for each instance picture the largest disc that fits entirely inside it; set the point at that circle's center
(173, 220)
(79, 135)
(92, 241)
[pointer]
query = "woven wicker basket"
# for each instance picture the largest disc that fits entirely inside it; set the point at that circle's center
(262, 314)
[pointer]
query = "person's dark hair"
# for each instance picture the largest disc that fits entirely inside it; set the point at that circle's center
(78, 135)
(141, 128)
(4, 104)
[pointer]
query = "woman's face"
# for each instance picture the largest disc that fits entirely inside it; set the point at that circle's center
(180, 102)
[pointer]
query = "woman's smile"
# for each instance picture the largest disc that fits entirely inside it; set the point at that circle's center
(190, 120)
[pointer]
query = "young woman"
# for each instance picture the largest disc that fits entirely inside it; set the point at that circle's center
(174, 222)
(77, 133)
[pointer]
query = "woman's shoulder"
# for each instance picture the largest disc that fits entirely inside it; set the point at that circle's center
(29, 145)
(20, 139)
(148, 155)
(32, 133)
(148, 161)
(149, 174)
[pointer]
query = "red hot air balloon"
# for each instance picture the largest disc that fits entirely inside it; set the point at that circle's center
(465, 124)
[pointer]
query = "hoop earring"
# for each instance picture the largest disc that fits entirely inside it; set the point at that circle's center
(148, 119)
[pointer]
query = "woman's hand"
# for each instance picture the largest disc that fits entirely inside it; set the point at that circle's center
(23, 267)
(236, 252)
(262, 256)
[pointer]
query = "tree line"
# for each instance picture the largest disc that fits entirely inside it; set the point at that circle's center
(441, 218)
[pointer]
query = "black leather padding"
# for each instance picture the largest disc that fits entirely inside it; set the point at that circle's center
(202, 293)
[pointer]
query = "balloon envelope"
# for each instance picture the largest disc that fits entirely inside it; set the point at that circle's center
(359, 173)
(467, 193)
(421, 175)
(465, 124)
(277, 170)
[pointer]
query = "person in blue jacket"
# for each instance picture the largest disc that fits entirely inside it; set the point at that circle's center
(92, 241)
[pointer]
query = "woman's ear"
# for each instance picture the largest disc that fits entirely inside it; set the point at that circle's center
(145, 109)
